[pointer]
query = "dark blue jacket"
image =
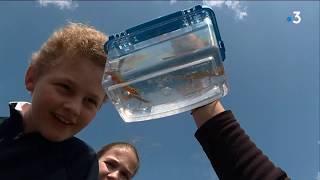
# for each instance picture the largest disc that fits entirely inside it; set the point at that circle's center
(32, 157)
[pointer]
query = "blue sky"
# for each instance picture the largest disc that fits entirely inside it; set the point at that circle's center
(272, 67)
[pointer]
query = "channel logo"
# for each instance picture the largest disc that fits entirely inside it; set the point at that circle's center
(296, 18)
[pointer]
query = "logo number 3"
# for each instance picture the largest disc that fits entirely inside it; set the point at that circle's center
(297, 17)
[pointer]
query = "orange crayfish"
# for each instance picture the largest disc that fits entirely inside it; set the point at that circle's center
(132, 92)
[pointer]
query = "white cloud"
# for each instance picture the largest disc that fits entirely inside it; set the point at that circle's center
(238, 8)
(214, 3)
(173, 1)
(61, 4)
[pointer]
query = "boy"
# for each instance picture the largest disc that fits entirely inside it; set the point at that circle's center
(64, 79)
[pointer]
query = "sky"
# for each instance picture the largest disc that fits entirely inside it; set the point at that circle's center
(272, 65)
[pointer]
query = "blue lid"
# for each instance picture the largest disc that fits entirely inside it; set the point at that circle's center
(122, 43)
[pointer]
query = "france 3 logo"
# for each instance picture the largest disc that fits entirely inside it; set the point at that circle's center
(295, 18)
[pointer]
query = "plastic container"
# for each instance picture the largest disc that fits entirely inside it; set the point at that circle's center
(166, 66)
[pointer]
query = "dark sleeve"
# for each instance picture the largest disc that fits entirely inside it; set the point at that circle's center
(231, 152)
(82, 161)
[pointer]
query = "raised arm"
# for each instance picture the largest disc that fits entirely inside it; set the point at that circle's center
(231, 152)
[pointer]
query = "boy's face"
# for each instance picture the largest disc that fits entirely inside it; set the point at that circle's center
(65, 98)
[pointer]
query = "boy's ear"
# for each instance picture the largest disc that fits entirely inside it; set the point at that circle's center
(30, 78)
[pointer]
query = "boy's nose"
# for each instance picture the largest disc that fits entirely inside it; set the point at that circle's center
(73, 107)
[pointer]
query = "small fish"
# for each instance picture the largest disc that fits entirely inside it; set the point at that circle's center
(137, 97)
(132, 92)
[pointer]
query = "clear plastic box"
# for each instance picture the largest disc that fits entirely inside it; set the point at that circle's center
(166, 66)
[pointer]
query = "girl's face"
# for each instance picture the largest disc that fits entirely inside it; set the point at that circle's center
(118, 163)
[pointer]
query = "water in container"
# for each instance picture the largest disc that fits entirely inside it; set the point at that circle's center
(166, 66)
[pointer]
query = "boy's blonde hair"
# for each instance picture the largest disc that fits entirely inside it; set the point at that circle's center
(74, 40)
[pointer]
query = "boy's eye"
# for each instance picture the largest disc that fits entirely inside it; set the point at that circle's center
(64, 86)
